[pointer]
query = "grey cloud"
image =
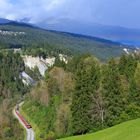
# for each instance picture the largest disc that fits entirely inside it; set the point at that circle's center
(111, 12)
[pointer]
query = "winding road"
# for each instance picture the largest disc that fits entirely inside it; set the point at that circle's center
(30, 135)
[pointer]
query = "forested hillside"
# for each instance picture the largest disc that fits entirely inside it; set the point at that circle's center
(11, 89)
(84, 96)
(22, 35)
(10, 67)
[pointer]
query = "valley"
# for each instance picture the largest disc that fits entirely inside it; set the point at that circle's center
(64, 43)
(69, 70)
(59, 100)
(71, 85)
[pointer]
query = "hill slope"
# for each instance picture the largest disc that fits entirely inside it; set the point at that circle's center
(27, 35)
(115, 33)
(2, 21)
(126, 131)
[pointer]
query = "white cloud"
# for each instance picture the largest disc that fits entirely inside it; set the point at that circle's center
(42, 10)
(29, 8)
(120, 12)
(53, 4)
(5, 7)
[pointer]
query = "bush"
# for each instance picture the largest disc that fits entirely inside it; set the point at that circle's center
(8, 132)
(50, 136)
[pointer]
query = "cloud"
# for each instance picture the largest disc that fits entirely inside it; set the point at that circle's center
(16, 9)
(52, 4)
(5, 6)
(119, 12)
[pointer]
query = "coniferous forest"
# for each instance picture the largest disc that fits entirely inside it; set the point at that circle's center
(80, 97)
(85, 96)
(69, 70)
(11, 89)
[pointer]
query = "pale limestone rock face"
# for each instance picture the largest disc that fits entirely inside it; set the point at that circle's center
(126, 50)
(26, 79)
(63, 58)
(41, 63)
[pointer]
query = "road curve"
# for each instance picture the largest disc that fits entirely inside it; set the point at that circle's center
(30, 135)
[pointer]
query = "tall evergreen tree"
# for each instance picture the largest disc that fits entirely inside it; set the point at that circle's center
(112, 93)
(87, 82)
(135, 86)
(127, 66)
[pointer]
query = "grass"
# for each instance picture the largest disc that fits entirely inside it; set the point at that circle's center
(126, 131)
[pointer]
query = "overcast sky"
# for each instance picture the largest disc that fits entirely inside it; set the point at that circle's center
(111, 12)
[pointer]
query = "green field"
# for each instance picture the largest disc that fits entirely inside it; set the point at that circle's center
(126, 131)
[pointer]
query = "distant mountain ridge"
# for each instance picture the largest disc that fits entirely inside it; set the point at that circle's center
(2, 20)
(123, 35)
(14, 23)
(34, 36)
(118, 34)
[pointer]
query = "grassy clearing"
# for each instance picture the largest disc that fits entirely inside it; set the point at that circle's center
(126, 131)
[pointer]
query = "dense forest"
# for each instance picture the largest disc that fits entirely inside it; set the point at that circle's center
(45, 50)
(84, 96)
(58, 41)
(11, 89)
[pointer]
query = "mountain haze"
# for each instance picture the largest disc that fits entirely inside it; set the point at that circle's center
(128, 36)
(120, 34)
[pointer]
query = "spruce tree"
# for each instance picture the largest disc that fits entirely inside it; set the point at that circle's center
(86, 84)
(112, 93)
